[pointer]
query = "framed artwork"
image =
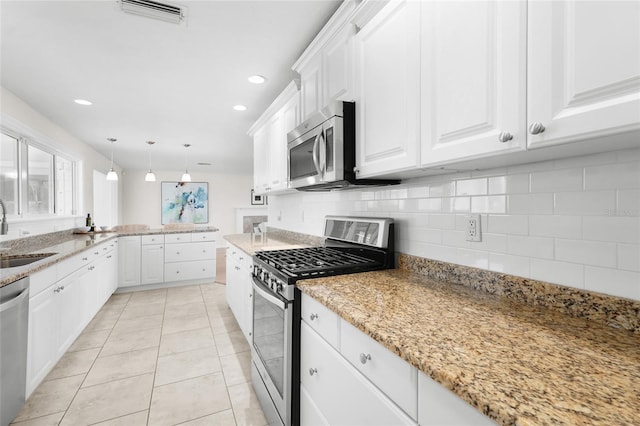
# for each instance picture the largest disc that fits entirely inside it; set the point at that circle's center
(185, 202)
(257, 200)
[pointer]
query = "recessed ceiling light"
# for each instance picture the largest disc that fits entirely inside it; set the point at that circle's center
(240, 107)
(83, 102)
(257, 79)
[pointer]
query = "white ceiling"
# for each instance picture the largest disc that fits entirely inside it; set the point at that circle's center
(154, 80)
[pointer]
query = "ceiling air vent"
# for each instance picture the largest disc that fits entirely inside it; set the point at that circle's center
(154, 9)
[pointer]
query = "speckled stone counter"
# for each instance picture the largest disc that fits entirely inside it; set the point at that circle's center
(518, 363)
(272, 240)
(65, 244)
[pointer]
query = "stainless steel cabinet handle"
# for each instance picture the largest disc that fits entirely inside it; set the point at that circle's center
(364, 358)
(96, 253)
(313, 371)
(85, 259)
(536, 128)
(313, 316)
(505, 136)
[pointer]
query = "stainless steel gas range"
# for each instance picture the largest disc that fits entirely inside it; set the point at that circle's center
(352, 244)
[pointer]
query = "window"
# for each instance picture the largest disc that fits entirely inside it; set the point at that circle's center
(35, 180)
(9, 173)
(39, 181)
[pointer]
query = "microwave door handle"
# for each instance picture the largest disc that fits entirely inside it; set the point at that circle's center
(323, 153)
(315, 155)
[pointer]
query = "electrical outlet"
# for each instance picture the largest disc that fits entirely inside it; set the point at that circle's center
(473, 228)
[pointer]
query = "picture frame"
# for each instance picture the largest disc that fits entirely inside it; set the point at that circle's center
(184, 202)
(257, 200)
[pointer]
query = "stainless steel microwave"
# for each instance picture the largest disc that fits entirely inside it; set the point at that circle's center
(322, 151)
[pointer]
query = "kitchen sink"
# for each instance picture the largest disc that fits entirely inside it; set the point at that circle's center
(21, 259)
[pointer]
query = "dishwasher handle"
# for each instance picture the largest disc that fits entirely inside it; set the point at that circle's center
(15, 301)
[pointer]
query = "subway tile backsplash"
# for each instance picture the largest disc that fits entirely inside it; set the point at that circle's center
(573, 222)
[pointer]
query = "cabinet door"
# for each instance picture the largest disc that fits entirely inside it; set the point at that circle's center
(290, 116)
(129, 265)
(388, 102)
(341, 394)
(152, 264)
(261, 161)
(338, 66)
(311, 87)
(584, 69)
(73, 312)
(277, 154)
(438, 406)
(43, 332)
(244, 277)
(473, 79)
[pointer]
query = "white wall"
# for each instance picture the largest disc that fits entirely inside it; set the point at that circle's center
(22, 118)
(574, 222)
(141, 200)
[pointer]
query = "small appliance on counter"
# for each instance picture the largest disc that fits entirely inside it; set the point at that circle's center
(353, 244)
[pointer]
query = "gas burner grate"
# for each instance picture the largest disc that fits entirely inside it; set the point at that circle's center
(313, 260)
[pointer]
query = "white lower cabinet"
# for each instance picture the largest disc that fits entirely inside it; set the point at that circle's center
(342, 395)
(240, 289)
(347, 378)
(62, 302)
(129, 264)
(152, 264)
(167, 258)
(438, 406)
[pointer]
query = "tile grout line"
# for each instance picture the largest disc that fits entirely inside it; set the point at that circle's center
(155, 372)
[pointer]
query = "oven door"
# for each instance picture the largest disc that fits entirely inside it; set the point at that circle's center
(272, 346)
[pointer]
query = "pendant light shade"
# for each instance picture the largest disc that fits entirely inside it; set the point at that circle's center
(112, 175)
(150, 176)
(186, 177)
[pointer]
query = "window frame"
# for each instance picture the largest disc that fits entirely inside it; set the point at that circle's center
(22, 182)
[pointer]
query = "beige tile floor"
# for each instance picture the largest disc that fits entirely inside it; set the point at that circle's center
(172, 356)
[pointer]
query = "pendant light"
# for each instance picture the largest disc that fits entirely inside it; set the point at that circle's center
(112, 175)
(186, 177)
(150, 176)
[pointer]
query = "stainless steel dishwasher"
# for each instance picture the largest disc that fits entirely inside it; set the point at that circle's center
(14, 318)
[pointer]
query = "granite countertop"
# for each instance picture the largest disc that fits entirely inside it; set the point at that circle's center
(250, 243)
(66, 244)
(519, 364)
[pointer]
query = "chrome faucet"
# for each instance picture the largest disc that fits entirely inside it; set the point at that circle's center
(4, 227)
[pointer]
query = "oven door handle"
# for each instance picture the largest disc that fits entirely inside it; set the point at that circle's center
(271, 298)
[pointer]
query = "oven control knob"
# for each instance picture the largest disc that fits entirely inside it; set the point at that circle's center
(279, 287)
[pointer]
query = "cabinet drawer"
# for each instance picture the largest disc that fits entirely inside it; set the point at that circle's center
(40, 280)
(177, 238)
(152, 239)
(439, 406)
(189, 251)
(341, 394)
(181, 271)
(203, 236)
(394, 376)
(74, 263)
(324, 321)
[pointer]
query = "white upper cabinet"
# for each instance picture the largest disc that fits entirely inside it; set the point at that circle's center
(388, 90)
(311, 87)
(473, 79)
(270, 141)
(338, 67)
(584, 70)
(326, 66)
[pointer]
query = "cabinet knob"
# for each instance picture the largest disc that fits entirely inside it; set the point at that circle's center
(85, 259)
(250, 295)
(364, 358)
(356, 170)
(177, 252)
(57, 290)
(505, 136)
(536, 128)
(313, 316)
(313, 371)
(96, 253)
